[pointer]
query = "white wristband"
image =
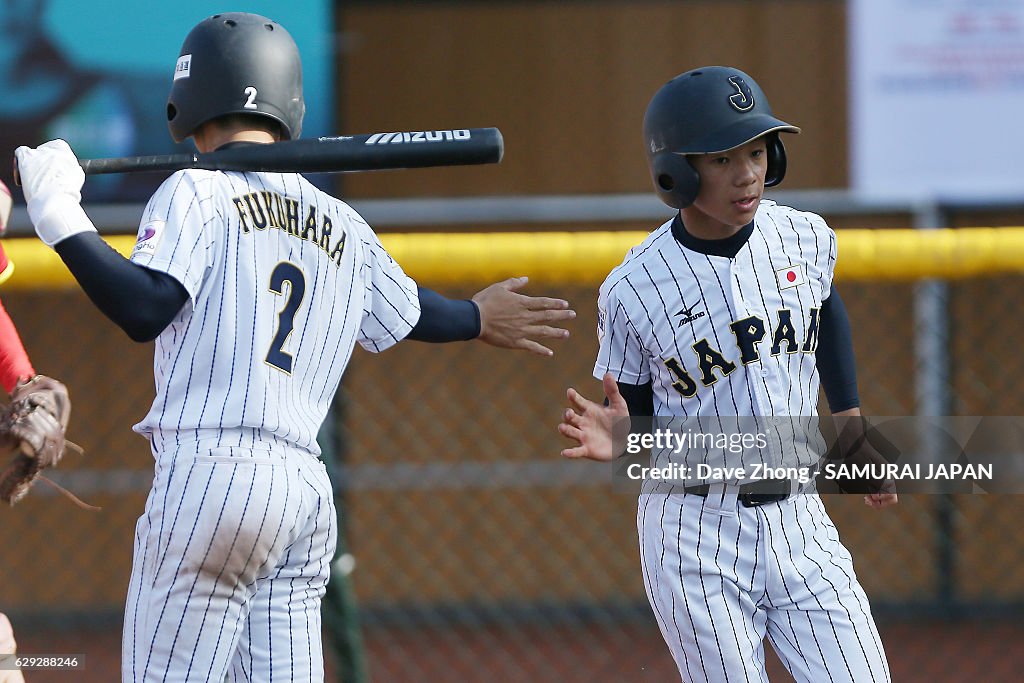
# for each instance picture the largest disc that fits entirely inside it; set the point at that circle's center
(58, 217)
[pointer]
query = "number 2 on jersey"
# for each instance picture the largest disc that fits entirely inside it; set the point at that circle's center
(290, 273)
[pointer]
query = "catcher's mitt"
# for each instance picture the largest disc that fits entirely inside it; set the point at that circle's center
(33, 427)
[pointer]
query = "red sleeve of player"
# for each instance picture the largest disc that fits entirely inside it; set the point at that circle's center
(14, 362)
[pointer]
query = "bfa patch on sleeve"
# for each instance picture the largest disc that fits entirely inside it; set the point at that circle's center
(149, 237)
(602, 317)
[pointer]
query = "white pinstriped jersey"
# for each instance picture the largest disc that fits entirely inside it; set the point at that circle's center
(719, 336)
(283, 280)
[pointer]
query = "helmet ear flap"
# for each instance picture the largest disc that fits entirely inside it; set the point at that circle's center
(776, 161)
(675, 180)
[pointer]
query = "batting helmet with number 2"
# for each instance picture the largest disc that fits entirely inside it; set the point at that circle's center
(706, 111)
(236, 63)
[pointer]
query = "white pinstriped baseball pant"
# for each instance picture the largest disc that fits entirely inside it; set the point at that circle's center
(721, 576)
(231, 562)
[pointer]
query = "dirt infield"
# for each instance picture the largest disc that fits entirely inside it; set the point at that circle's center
(918, 652)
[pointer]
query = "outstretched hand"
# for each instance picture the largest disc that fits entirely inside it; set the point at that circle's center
(594, 426)
(511, 320)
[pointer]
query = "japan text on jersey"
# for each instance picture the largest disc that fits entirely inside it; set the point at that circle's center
(719, 336)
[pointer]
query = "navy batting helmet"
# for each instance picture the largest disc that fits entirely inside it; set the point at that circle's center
(705, 111)
(236, 63)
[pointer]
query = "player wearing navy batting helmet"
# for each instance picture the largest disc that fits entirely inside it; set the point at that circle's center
(719, 325)
(256, 288)
(705, 111)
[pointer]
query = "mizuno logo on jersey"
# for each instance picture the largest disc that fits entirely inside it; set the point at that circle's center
(688, 315)
(748, 332)
(261, 211)
(417, 136)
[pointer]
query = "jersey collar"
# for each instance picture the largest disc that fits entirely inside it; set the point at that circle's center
(728, 247)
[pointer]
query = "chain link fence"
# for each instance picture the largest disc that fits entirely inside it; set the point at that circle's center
(474, 552)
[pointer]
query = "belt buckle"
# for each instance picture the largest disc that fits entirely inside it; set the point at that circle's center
(750, 498)
(753, 500)
(753, 497)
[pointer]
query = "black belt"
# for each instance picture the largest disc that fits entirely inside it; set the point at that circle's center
(752, 494)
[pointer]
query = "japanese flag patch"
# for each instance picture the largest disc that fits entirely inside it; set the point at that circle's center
(791, 276)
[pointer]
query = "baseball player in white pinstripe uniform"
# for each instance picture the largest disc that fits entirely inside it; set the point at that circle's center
(256, 287)
(729, 310)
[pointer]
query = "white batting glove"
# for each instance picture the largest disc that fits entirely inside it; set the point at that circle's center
(52, 181)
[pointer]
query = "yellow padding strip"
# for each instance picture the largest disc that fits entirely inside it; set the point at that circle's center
(586, 257)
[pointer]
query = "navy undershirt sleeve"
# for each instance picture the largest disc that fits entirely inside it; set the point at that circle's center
(140, 301)
(834, 358)
(639, 398)
(445, 320)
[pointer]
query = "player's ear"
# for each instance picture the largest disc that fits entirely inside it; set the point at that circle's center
(675, 180)
(776, 160)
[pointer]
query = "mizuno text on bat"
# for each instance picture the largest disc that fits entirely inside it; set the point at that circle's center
(348, 153)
